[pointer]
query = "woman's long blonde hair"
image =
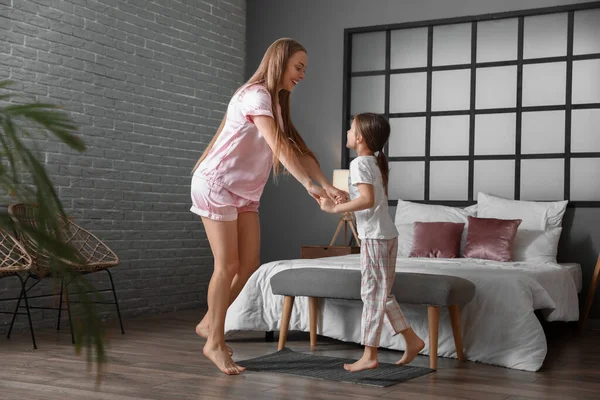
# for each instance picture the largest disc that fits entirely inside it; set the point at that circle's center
(270, 72)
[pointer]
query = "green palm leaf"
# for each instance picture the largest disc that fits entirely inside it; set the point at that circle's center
(25, 179)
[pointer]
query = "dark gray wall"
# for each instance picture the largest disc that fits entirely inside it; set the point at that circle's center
(289, 218)
(148, 82)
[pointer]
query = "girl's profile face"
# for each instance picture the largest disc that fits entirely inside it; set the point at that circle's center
(351, 136)
(294, 71)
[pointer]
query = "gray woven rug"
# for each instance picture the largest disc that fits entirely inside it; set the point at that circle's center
(290, 362)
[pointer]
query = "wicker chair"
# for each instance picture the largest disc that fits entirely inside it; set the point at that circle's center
(14, 260)
(96, 256)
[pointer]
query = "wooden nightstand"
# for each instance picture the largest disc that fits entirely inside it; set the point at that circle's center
(328, 251)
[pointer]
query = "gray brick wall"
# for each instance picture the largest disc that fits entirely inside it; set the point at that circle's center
(148, 82)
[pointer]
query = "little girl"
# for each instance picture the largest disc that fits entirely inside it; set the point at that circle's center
(379, 239)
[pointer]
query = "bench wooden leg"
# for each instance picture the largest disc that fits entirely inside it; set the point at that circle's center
(433, 317)
(313, 312)
(456, 331)
(288, 305)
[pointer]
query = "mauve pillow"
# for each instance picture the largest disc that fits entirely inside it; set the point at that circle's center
(491, 238)
(437, 239)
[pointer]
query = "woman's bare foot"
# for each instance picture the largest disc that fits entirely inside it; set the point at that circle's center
(202, 330)
(221, 358)
(203, 333)
(414, 345)
(362, 364)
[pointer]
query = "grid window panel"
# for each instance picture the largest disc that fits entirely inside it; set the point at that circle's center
(496, 87)
(451, 90)
(495, 177)
(495, 134)
(544, 84)
(497, 40)
(367, 94)
(585, 179)
(408, 48)
(452, 44)
(449, 180)
(586, 31)
(450, 135)
(542, 94)
(408, 92)
(368, 51)
(407, 180)
(407, 137)
(585, 131)
(543, 132)
(586, 81)
(545, 36)
(542, 179)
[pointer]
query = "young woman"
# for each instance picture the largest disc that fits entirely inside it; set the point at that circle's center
(256, 136)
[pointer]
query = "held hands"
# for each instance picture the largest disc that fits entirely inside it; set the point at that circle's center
(327, 205)
(316, 191)
(328, 196)
(337, 195)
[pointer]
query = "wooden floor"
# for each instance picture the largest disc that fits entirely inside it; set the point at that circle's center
(160, 357)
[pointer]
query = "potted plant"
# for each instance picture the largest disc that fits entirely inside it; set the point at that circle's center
(24, 179)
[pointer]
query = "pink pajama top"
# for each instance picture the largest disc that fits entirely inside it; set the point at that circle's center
(240, 159)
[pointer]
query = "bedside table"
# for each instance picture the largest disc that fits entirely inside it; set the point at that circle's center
(328, 251)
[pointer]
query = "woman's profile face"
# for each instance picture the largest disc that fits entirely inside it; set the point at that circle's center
(294, 71)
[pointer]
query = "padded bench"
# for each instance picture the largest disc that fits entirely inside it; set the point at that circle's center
(434, 291)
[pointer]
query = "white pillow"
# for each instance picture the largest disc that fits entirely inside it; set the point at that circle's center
(536, 246)
(405, 239)
(534, 215)
(408, 212)
(471, 210)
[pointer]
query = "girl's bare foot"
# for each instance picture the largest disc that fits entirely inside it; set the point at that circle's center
(414, 345)
(221, 358)
(202, 331)
(362, 364)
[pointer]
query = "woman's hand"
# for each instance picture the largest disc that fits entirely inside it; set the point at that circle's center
(327, 205)
(338, 196)
(316, 191)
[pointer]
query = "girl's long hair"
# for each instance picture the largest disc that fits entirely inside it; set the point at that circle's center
(375, 129)
(270, 73)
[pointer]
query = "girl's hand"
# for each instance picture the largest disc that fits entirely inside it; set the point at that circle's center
(327, 205)
(337, 195)
(315, 191)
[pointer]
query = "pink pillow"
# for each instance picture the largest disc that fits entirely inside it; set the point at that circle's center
(491, 238)
(437, 239)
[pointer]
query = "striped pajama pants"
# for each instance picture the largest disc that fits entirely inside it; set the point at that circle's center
(378, 270)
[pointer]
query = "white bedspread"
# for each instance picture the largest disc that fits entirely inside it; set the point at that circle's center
(499, 325)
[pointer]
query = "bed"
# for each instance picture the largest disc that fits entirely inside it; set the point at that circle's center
(500, 325)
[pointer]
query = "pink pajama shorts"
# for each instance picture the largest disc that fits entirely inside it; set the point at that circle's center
(213, 201)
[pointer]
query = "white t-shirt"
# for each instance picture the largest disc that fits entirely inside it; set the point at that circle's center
(375, 222)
